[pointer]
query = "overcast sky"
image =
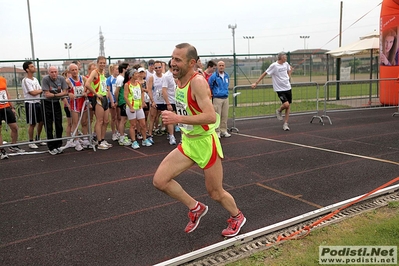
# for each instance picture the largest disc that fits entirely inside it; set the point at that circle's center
(153, 28)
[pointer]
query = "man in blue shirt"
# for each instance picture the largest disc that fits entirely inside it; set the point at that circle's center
(219, 84)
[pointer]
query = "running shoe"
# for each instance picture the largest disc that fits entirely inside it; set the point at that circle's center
(53, 152)
(69, 144)
(139, 136)
(172, 140)
(78, 146)
(86, 144)
(3, 154)
(41, 143)
(285, 127)
(135, 145)
(235, 224)
(103, 146)
(150, 139)
(115, 137)
(60, 150)
(225, 134)
(279, 115)
(124, 141)
(106, 143)
(146, 143)
(16, 149)
(195, 217)
(33, 146)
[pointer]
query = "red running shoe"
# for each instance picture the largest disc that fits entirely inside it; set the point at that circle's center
(195, 217)
(235, 224)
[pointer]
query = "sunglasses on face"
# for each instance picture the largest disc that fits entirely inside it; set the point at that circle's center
(157, 67)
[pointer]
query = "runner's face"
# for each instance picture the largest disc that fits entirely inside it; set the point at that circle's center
(101, 64)
(116, 71)
(74, 71)
(151, 68)
(135, 76)
(158, 68)
(180, 65)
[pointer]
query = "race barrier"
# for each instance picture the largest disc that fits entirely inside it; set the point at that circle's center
(262, 102)
(352, 95)
(309, 98)
(23, 127)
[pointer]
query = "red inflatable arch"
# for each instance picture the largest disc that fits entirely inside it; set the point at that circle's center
(389, 52)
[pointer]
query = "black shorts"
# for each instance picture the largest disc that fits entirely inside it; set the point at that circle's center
(122, 109)
(67, 112)
(103, 102)
(285, 96)
(92, 101)
(145, 109)
(7, 115)
(163, 107)
(34, 113)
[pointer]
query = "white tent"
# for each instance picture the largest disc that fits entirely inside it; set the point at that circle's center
(366, 44)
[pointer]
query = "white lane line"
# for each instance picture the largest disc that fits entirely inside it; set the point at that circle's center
(321, 149)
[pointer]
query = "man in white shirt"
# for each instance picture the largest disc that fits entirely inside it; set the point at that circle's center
(32, 91)
(168, 93)
(280, 71)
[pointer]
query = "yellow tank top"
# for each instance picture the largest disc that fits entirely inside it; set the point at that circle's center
(185, 105)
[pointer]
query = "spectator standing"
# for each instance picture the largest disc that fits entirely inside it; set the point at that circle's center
(219, 84)
(111, 86)
(54, 87)
(77, 99)
(168, 93)
(33, 108)
(210, 69)
(7, 113)
(102, 99)
(134, 98)
(155, 82)
(121, 103)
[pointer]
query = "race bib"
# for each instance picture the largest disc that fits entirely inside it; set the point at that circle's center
(158, 96)
(103, 86)
(137, 94)
(78, 91)
(3, 97)
(181, 110)
(146, 97)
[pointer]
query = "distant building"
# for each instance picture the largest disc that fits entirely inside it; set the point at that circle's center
(306, 58)
(14, 75)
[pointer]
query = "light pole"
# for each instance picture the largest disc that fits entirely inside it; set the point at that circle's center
(31, 34)
(248, 38)
(68, 46)
(233, 27)
(304, 37)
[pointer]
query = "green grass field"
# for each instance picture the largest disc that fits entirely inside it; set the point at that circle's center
(378, 227)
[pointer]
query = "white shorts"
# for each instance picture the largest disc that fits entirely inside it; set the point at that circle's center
(138, 114)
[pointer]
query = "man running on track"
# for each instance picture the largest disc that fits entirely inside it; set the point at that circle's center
(200, 144)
